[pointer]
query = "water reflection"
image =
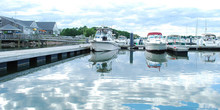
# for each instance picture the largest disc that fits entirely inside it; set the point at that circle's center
(155, 60)
(72, 85)
(103, 60)
(172, 56)
(208, 56)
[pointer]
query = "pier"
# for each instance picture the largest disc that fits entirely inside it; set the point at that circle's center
(23, 59)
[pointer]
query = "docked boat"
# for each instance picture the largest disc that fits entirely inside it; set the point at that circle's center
(155, 42)
(208, 40)
(175, 45)
(122, 41)
(103, 40)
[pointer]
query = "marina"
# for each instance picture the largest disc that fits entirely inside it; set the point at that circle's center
(109, 55)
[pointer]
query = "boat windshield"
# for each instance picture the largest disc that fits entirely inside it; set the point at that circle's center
(209, 37)
(173, 37)
(101, 33)
(155, 36)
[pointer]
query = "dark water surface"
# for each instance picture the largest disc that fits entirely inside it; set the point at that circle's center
(121, 80)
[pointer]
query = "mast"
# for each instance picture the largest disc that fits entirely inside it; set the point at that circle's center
(205, 26)
(196, 27)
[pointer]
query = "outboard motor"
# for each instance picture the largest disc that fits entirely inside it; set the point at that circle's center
(104, 38)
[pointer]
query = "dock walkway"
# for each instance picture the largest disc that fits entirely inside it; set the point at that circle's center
(7, 56)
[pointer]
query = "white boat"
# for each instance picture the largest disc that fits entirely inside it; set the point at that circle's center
(174, 41)
(155, 42)
(122, 41)
(208, 40)
(103, 60)
(155, 60)
(103, 40)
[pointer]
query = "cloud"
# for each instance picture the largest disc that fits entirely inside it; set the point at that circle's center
(139, 16)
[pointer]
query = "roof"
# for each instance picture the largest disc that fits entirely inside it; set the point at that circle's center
(154, 33)
(46, 25)
(28, 23)
(20, 22)
(9, 27)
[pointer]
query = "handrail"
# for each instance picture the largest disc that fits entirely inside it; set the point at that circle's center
(38, 37)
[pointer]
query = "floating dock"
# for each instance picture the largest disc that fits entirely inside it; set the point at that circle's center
(139, 47)
(178, 50)
(196, 47)
(17, 60)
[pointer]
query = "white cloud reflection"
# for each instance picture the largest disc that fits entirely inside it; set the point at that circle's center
(84, 89)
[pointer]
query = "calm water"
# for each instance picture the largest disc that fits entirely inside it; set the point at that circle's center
(121, 80)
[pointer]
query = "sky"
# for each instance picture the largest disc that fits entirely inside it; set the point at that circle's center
(138, 16)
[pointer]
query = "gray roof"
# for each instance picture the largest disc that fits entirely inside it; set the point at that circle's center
(9, 27)
(27, 23)
(46, 25)
(20, 22)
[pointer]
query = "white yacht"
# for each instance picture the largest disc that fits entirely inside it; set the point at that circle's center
(174, 41)
(155, 42)
(103, 40)
(208, 40)
(122, 41)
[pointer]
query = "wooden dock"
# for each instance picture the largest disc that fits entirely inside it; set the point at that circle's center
(20, 59)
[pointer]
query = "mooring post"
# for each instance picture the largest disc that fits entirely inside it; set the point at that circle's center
(131, 40)
(0, 43)
(131, 56)
(19, 43)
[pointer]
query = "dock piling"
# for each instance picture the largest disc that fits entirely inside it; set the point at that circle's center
(131, 40)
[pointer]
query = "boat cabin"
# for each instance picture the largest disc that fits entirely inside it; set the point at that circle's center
(209, 37)
(103, 34)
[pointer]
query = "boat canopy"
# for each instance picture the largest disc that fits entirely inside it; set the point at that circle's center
(154, 33)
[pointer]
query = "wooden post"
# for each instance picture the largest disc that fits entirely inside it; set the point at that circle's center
(39, 43)
(19, 43)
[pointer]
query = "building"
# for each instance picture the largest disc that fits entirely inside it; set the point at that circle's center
(12, 25)
(48, 28)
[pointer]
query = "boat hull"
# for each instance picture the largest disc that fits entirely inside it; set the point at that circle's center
(104, 45)
(155, 47)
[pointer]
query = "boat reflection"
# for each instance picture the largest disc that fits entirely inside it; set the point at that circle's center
(103, 60)
(208, 56)
(172, 56)
(155, 60)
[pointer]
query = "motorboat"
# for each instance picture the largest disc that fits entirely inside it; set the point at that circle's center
(155, 42)
(103, 40)
(155, 60)
(175, 42)
(208, 40)
(103, 60)
(122, 41)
